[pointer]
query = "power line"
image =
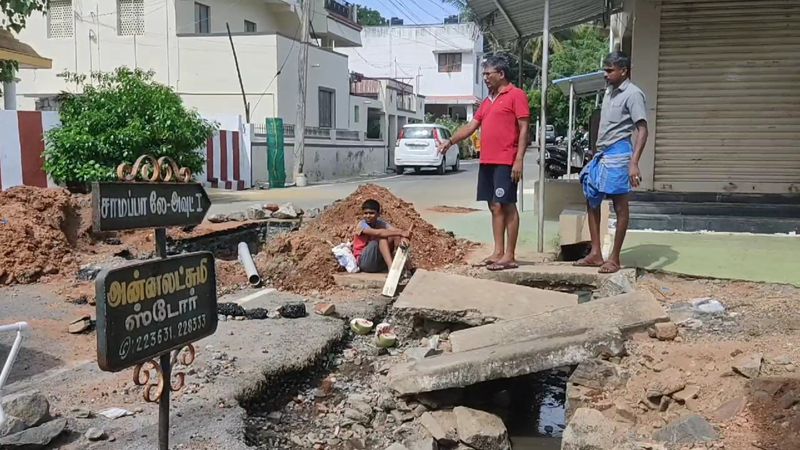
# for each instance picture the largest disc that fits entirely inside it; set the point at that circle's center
(280, 69)
(415, 20)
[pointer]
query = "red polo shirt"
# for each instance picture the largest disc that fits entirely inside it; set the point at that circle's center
(499, 127)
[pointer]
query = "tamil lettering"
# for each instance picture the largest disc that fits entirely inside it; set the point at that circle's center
(147, 309)
(124, 206)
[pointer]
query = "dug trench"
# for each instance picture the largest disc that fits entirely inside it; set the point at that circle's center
(716, 371)
(516, 356)
(344, 400)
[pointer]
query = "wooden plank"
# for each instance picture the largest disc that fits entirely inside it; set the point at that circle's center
(395, 272)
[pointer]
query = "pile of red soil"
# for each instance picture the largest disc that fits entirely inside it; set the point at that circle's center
(302, 261)
(38, 230)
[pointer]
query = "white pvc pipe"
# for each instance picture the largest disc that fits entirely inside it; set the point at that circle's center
(543, 127)
(19, 327)
(249, 266)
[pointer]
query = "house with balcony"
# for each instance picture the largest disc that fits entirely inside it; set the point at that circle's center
(185, 43)
(401, 105)
(442, 62)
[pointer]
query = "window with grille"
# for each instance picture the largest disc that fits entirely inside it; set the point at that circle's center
(250, 27)
(202, 18)
(60, 19)
(130, 17)
(449, 62)
(327, 103)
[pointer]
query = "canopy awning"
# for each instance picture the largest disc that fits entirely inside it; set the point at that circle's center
(514, 19)
(584, 84)
(13, 50)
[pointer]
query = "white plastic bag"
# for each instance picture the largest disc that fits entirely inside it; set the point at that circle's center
(345, 257)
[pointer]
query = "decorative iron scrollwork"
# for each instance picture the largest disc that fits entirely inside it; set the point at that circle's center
(151, 169)
(150, 374)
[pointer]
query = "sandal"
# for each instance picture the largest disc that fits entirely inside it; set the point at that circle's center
(484, 263)
(609, 267)
(583, 262)
(496, 267)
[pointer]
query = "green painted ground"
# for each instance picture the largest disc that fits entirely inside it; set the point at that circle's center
(742, 257)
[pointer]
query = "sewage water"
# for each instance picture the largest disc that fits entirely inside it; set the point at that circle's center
(532, 407)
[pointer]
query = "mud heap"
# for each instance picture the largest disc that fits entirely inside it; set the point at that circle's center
(302, 261)
(38, 230)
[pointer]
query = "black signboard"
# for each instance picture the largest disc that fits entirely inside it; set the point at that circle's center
(147, 309)
(126, 206)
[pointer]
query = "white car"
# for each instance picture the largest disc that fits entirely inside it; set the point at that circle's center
(417, 147)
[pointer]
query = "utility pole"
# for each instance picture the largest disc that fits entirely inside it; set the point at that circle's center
(300, 122)
(239, 73)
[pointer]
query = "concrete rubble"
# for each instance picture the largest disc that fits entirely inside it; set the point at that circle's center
(590, 429)
(447, 298)
(567, 275)
(515, 359)
(481, 430)
(627, 312)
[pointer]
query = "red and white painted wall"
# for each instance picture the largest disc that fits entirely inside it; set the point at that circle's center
(228, 152)
(229, 156)
(21, 147)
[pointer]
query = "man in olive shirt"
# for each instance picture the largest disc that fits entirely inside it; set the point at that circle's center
(614, 170)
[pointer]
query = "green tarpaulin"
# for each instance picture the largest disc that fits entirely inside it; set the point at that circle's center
(275, 160)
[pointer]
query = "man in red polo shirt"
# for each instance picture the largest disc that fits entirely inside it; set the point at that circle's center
(503, 118)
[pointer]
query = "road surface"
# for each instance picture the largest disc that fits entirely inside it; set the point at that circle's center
(425, 190)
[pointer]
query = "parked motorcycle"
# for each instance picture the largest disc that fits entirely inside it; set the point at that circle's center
(555, 162)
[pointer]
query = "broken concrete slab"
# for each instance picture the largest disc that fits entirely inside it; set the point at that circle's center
(448, 298)
(565, 274)
(481, 430)
(627, 312)
(37, 437)
(442, 426)
(360, 280)
(599, 375)
(590, 429)
(687, 430)
(452, 370)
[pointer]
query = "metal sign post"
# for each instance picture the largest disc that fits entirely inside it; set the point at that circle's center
(148, 314)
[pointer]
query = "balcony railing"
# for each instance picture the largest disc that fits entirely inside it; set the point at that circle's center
(324, 133)
(366, 88)
(406, 102)
(344, 10)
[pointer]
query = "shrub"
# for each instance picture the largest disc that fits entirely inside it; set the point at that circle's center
(119, 117)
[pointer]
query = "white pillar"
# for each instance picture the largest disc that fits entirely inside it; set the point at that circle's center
(10, 95)
(571, 127)
(543, 127)
(470, 112)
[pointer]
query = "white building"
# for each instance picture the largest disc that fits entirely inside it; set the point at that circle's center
(186, 44)
(441, 61)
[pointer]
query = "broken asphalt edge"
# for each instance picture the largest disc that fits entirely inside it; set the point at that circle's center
(217, 413)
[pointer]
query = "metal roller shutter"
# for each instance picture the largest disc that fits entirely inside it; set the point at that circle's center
(728, 110)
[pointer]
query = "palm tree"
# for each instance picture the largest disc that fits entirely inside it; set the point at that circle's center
(535, 46)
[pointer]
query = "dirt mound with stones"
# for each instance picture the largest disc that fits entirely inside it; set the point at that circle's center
(38, 230)
(302, 261)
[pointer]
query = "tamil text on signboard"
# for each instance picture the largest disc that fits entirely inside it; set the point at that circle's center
(125, 206)
(147, 309)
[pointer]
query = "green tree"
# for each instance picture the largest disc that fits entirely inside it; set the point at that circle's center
(14, 17)
(580, 53)
(119, 117)
(369, 17)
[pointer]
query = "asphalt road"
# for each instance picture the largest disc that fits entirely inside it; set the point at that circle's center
(425, 190)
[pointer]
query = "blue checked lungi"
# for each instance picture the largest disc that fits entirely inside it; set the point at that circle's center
(607, 173)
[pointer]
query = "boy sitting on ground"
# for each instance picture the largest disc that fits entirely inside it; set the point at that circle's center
(376, 241)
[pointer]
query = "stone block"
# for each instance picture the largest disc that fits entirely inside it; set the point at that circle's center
(628, 312)
(452, 370)
(448, 298)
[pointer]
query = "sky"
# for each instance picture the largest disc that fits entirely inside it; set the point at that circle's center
(411, 11)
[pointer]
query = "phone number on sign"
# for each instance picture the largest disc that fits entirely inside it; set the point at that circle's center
(132, 345)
